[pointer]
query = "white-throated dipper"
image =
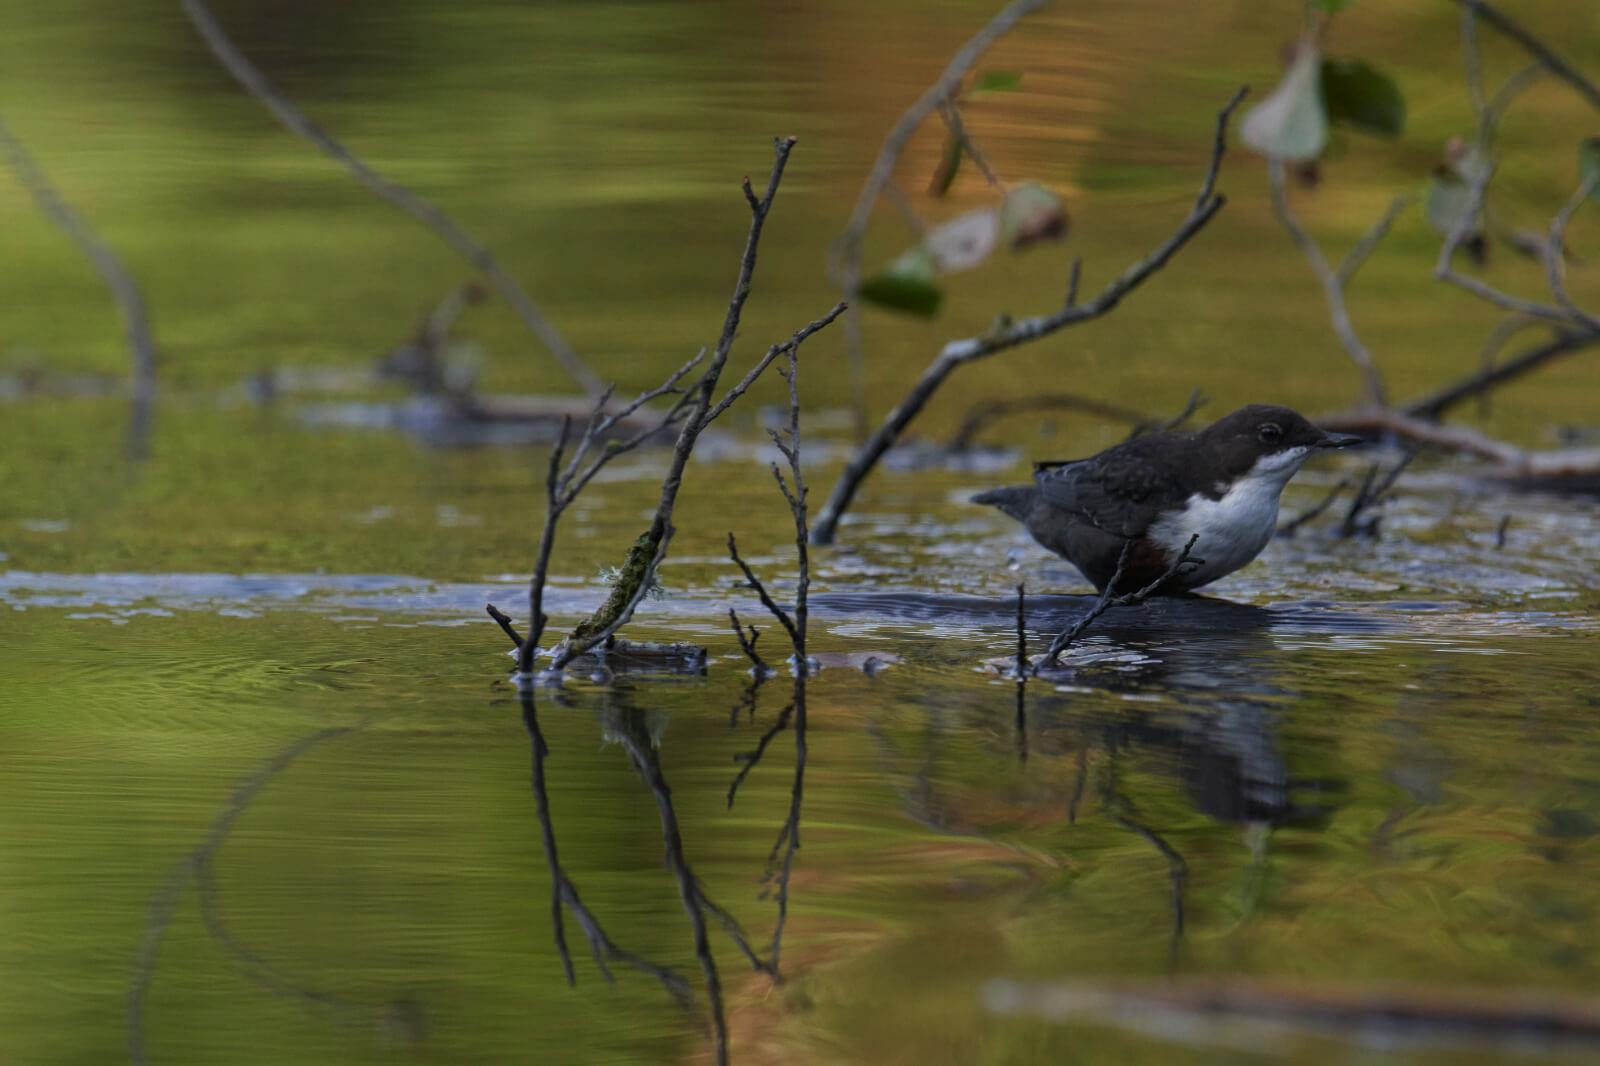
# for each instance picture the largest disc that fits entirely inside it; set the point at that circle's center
(1153, 493)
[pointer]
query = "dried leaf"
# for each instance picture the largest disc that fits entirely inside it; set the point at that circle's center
(964, 241)
(1032, 213)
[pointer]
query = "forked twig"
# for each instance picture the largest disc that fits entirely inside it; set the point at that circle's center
(1108, 599)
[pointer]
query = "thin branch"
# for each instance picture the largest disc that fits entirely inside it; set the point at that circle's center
(1472, 61)
(1370, 496)
(980, 415)
(748, 644)
(767, 601)
(958, 129)
(1409, 427)
(1536, 48)
(1196, 400)
(1291, 527)
(1022, 631)
(1108, 599)
(1332, 282)
(1555, 244)
(1495, 109)
(645, 555)
(1438, 402)
(788, 347)
(1369, 241)
(1013, 333)
(259, 86)
(124, 290)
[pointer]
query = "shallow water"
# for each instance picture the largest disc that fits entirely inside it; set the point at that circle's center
(267, 794)
(299, 803)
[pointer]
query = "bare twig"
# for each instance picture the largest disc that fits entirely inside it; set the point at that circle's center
(130, 304)
(789, 347)
(259, 86)
(1022, 631)
(1010, 333)
(760, 590)
(1536, 48)
(748, 644)
(1109, 599)
(1369, 241)
(1555, 262)
(958, 130)
(1495, 109)
(1333, 281)
(980, 415)
(1423, 431)
(1437, 403)
(1291, 527)
(1196, 400)
(646, 553)
(1370, 495)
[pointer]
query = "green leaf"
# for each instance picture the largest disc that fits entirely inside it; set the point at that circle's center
(1032, 213)
(1359, 95)
(1330, 7)
(1291, 122)
(1589, 165)
(999, 81)
(955, 150)
(906, 285)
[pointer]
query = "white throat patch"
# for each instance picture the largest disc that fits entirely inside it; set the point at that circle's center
(1233, 529)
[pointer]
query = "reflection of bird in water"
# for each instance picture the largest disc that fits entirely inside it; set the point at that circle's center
(1152, 496)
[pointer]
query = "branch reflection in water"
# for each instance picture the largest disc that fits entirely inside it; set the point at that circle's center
(402, 1020)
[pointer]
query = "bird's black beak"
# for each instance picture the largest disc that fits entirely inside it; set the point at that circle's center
(1339, 440)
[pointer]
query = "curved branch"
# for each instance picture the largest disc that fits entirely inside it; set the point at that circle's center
(135, 321)
(1536, 48)
(1332, 281)
(258, 85)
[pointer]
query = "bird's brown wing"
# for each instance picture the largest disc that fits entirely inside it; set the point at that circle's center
(1118, 491)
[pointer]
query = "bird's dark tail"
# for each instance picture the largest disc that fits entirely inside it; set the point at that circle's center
(1015, 500)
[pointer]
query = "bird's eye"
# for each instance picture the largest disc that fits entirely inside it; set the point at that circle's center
(1270, 432)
